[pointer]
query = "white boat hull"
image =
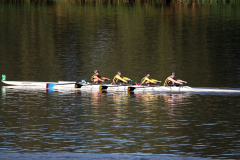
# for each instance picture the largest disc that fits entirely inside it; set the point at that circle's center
(26, 83)
(56, 85)
(118, 87)
(109, 87)
(163, 88)
(66, 82)
(183, 89)
(75, 86)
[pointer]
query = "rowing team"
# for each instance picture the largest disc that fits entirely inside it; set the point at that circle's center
(119, 79)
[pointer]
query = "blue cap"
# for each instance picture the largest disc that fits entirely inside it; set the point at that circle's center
(148, 73)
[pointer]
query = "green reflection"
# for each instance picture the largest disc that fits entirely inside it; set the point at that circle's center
(67, 40)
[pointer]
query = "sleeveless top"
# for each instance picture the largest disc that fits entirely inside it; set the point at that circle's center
(92, 78)
(167, 81)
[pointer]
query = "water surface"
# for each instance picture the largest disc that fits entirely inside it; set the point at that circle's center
(120, 122)
(68, 40)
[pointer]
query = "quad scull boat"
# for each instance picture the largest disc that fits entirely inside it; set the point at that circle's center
(110, 87)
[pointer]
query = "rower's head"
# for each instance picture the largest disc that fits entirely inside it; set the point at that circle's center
(119, 73)
(96, 72)
(173, 74)
(148, 74)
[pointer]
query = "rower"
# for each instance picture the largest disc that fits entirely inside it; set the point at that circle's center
(119, 79)
(173, 81)
(97, 79)
(148, 81)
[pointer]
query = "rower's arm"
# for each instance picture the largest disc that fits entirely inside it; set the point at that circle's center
(125, 78)
(179, 80)
(98, 79)
(151, 80)
(174, 80)
(120, 78)
(154, 80)
(104, 78)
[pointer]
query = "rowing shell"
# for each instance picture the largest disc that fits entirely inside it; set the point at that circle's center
(109, 87)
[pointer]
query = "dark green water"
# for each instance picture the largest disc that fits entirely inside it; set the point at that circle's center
(58, 40)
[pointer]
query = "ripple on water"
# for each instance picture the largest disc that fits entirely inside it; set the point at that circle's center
(180, 129)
